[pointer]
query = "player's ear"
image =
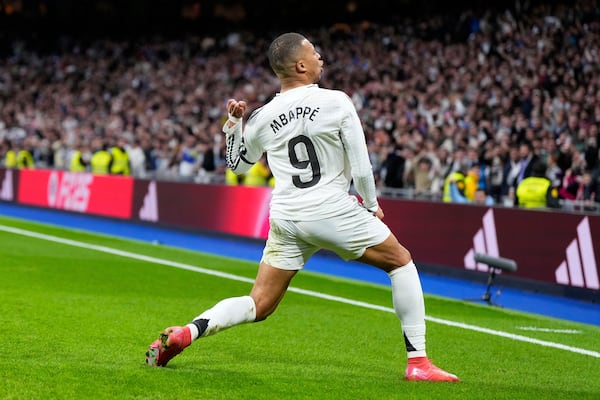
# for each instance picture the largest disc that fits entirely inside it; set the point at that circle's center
(300, 66)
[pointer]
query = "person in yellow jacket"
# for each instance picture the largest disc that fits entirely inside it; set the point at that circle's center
(121, 164)
(101, 160)
(472, 181)
(259, 174)
(9, 155)
(536, 191)
(79, 162)
(454, 188)
(231, 178)
(25, 155)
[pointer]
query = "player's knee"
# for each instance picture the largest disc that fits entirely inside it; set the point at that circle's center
(399, 256)
(404, 255)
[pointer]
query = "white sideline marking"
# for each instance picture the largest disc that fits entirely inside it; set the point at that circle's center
(325, 296)
(551, 330)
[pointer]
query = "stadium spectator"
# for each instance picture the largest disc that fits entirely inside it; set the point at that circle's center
(312, 155)
(149, 147)
(43, 155)
(165, 154)
(121, 164)
(9, 156)
(587, 193)
(454, 187)
(579, 190)
(101, 160)
(137, 158)
(570, 184)
(394, 168)
(471, 181)
(62, 153)
(25, 154)
(441, 163)
(482, 198)
(536, 191)
(553, 171)
(527, 159)
(189, 159)
(495, 177)
(80, 158)
(423, 176)
(509, 175)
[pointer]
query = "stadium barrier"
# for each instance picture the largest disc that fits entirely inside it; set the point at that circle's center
(556, 251)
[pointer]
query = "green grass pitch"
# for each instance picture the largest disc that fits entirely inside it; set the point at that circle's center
(78, 311)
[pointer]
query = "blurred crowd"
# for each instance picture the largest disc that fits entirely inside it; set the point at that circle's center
(483, 95)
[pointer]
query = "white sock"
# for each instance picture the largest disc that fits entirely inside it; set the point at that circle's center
(407, 296)
(225, 314)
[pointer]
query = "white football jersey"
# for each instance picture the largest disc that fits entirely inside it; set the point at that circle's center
(315, 146)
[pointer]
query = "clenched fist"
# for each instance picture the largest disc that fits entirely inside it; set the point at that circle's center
(236, 108)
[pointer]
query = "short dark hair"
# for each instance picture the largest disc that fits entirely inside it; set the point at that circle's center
(538, 168)
(283, 50)
(425, 160)
(527, 143)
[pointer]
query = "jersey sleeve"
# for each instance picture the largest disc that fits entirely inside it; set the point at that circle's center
(353, 138)
(237, 156)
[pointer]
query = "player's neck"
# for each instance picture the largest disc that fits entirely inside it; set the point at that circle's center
(293, 83)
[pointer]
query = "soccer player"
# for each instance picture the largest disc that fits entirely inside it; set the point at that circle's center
(315, 146)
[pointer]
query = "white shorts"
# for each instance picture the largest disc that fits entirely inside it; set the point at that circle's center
(291, 243)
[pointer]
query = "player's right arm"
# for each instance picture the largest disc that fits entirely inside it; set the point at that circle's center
(236, 153)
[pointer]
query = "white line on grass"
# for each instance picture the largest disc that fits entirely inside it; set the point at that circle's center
(551, 330)
(325, 296)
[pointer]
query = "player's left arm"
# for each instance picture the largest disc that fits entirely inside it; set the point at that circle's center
(353, 137)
